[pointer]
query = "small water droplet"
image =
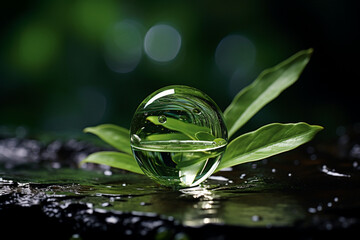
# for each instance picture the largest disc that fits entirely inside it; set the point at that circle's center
(89, 205)
(273, 170)
(75, 236)
(256, 218)
(135, 138)
(112, 219)
(145, 204)
(312, 210)
(319, 207)
(162, 119)
(183, 118)
(242, 176)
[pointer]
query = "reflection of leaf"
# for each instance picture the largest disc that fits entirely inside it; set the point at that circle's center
(205, 136)
(267, 141)
(268, 85)
(114, 159)
(188, 174)
(195, 158)
(188, 129)
(116, 136)
(167, 137)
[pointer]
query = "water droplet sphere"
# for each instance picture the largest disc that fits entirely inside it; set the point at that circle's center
(178, 136)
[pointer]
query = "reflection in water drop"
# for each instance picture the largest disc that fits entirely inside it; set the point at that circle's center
(162, 43)
(123, 47)
(196, 111)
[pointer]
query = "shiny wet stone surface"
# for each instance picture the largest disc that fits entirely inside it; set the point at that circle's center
(312, 192)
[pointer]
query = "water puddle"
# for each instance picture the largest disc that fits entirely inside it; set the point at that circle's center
(292, 191)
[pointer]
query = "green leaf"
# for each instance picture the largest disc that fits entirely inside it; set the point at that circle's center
(268, 85)
(114, 159)
(267, 141)
(116, 136)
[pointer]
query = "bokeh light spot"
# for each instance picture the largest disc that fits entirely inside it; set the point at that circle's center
(92, 18)
(235, 53)
(162, 43)
(36, 47)
(123, 47)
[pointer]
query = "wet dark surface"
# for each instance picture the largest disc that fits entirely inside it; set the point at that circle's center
(310, 193)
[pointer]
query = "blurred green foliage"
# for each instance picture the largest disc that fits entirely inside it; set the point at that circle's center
(63, 67)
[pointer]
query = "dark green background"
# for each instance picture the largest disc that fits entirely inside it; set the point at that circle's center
(53, 76)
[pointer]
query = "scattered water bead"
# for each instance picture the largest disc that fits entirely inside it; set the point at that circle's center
(162, 119)
(178, 136)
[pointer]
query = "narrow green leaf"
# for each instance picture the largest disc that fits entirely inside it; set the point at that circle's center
(114, 135)
(114, 159)
(268, 85)
(267, 141)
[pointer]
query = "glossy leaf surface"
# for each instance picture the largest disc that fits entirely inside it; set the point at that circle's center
(114, 159)
(267, 141)
(114, 135)
(268, 85)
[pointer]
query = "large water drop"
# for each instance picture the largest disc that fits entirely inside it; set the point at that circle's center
(180, 136)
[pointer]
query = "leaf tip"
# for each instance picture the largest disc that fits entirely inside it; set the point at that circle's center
(319, 127)
(88, 129)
